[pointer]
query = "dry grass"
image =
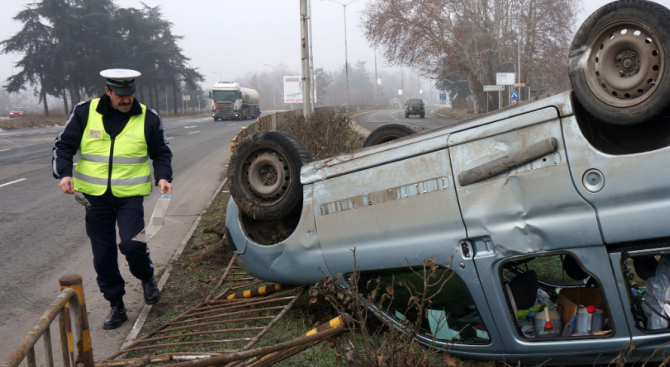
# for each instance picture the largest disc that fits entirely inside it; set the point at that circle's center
(455, 113)
(32, 120)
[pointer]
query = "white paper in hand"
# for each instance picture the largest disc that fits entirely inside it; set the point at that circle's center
(157, 219)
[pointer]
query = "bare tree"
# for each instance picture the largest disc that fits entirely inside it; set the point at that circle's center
(476, 38)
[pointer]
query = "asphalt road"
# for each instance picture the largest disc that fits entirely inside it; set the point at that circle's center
(42, 231)
(372, 120)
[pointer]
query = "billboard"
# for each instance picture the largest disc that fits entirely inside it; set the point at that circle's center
(505, 78)
(293, 89)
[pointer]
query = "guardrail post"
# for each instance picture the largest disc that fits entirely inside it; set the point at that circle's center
(84, 359)
(274, 121)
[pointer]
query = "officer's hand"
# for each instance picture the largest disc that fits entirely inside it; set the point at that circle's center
(66, 185)
(165, 186)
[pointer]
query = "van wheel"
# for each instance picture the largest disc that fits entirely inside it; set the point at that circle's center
(619, 62)
(389, 132)
(264, 174)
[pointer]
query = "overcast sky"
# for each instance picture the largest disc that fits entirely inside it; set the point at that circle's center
(233, 37)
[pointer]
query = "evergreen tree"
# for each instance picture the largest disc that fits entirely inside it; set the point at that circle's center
(66, 43)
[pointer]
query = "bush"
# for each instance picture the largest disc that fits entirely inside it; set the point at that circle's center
(324, 133)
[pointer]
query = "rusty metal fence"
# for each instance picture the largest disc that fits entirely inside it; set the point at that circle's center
(75, 339)
(225, 328)
(273, 121)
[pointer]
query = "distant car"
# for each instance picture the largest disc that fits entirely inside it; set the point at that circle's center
(550, 217)
(17, 112)
(415, 107)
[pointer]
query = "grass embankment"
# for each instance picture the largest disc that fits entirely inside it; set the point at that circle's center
(37, 120)
(32, 121)
(457, 114)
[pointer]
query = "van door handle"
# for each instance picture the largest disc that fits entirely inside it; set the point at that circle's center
(508, 162)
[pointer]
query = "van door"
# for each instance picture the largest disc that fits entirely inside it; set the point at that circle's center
(530, 208)
(395, 216)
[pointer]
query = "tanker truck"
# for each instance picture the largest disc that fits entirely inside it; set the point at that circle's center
(229, 101)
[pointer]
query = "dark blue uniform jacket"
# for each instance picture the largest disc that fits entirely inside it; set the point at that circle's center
(68, 141)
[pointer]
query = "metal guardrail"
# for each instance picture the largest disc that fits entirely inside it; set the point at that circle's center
(75, 338)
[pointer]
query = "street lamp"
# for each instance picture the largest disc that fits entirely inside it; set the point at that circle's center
(274, 93)
(346, 59)
(220, 76)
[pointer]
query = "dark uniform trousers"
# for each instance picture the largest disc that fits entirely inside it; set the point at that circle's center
(101, 219)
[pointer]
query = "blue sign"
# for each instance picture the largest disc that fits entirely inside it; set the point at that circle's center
(443, 96)
(515, 95)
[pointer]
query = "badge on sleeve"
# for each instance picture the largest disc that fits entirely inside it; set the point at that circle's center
(95, 134)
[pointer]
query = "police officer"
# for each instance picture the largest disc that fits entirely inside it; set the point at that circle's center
(115, 137)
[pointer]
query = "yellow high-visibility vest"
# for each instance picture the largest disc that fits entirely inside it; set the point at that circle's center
(129, 174)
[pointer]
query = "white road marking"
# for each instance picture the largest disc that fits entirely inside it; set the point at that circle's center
(190, 127)
(13, 182)
(195, 132)
(4, 150)
(172, 137)
(74, 164)
(231, 124)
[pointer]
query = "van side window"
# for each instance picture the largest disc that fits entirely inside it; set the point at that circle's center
(648, 278)
(450, 316)
(554, 297)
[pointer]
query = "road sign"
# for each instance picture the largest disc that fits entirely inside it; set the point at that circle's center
(513, 101)
(379, 82)
(186, 97)
(443, 96)
(494, 88)
(400, 92)
(519, 85)
(515, 95)
(505, 78)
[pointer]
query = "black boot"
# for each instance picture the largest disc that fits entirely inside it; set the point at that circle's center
(151, 292)
(117, 316)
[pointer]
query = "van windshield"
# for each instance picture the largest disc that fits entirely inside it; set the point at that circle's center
(229, 95)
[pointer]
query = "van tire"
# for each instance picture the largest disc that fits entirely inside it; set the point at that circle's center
(637, 88)
(264, 175)
(389, 132)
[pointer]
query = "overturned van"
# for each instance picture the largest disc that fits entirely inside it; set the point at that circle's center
(552, 215)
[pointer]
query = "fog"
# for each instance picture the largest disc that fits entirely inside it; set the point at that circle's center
(236, 38)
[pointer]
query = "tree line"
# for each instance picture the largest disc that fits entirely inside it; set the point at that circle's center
(66, 43)
(464, 43)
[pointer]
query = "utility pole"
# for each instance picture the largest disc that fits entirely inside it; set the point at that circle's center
(518, 54)
(311, 57)
(304, 30)
(346, 58)
(376, 84)
(402, 85)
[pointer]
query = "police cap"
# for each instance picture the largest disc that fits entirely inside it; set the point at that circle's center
(121, 81)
